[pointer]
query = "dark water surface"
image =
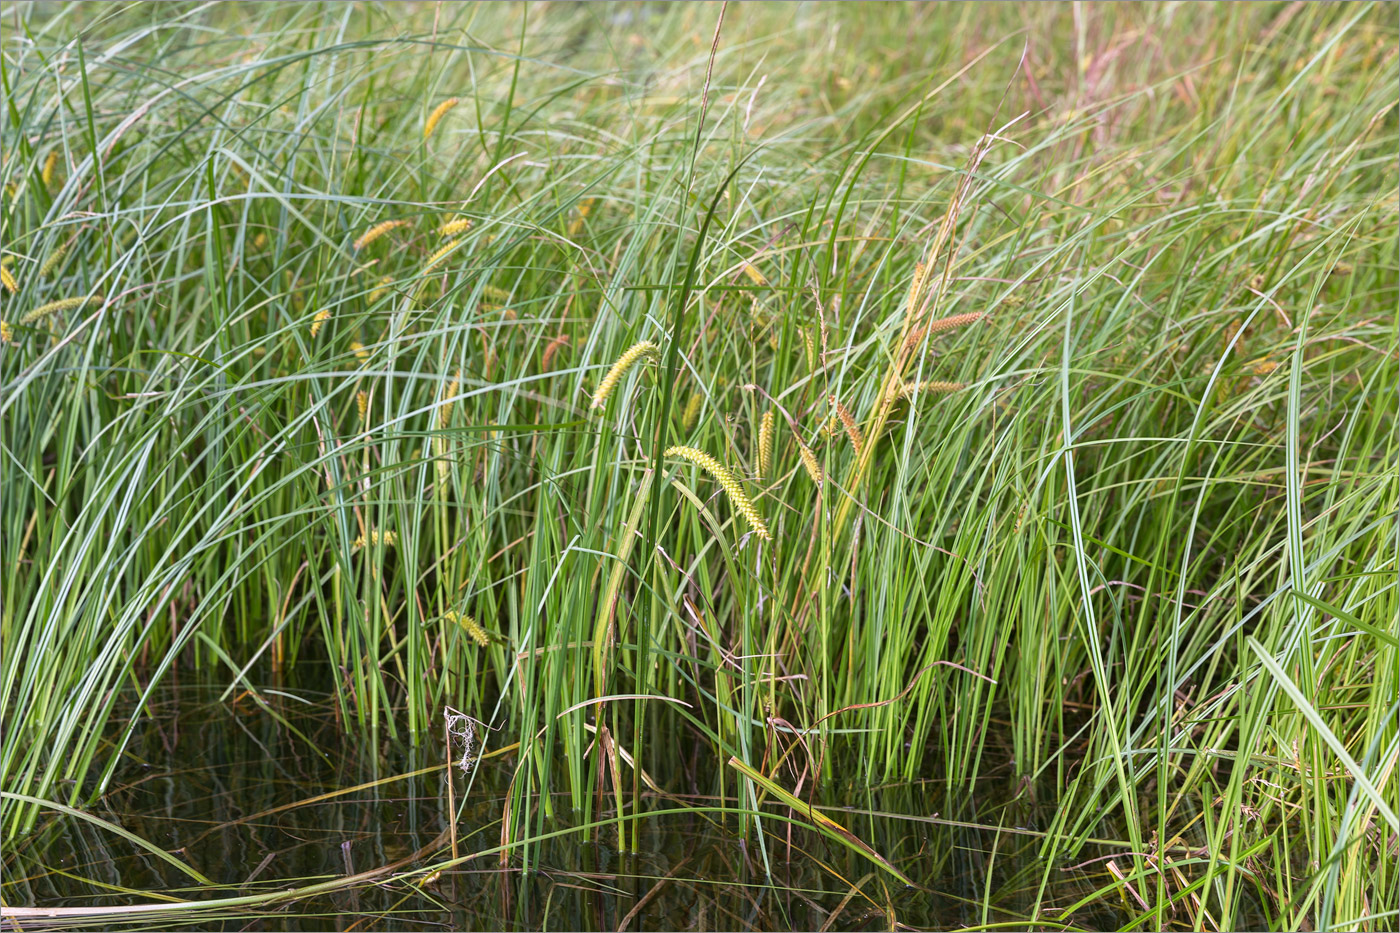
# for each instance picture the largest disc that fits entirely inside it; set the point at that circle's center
(200, 774)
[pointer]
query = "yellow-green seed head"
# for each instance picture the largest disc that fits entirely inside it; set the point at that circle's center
(56, 257)
(473, 629)
(732, 487)
(619, 369)
(63, 304)
(692, 411)
(436, 116)
(387, 538)
(765, 445)
(809, 462)
(440, 255)
(930, 385)
(375, 232)
(445, 409)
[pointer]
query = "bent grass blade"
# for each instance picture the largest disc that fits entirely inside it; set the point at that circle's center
(823, 822)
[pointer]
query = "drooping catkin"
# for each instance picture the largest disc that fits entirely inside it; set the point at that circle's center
(809, 461)
(473, 629)
(619, 369)
(552, 348)
(362, 405)
(7, 278)
(848, 421)
(50, 166)
(63, 304)
(943, 324)
(436, 116)
(955, 320)
(930, 385)
(765, 445)
(440, 255)
(732, 487)
(375, 232)
(454, 227)
(319, 321)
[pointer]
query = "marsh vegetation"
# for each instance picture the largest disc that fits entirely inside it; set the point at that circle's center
(695, 467)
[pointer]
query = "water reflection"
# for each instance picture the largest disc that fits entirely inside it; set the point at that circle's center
(260, 806)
